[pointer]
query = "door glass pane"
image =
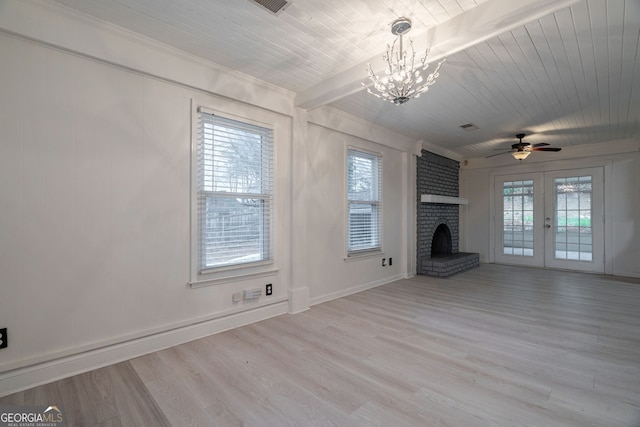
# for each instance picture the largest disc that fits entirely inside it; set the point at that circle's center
(572, 230)
(517, 218)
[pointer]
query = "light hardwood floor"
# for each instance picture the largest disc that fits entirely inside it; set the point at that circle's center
(494, 346)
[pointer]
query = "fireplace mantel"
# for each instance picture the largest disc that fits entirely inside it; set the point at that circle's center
(434, 198)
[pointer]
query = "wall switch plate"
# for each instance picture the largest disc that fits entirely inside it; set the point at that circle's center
(390, 261)
(3, 338)
(269, 289)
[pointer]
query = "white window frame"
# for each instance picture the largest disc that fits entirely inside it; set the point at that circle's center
(375, 203)
(202, 275)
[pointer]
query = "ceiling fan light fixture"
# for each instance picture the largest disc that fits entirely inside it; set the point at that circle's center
(521, 155)
(521, 150)
(404, 75)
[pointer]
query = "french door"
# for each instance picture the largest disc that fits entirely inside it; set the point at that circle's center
(551, 219)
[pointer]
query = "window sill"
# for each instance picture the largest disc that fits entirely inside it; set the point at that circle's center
(230, 278)
(364, 255)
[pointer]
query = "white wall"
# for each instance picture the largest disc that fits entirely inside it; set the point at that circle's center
(95, 150)
(329, 136)
(625, 215)
(621, 162)
(326, 227)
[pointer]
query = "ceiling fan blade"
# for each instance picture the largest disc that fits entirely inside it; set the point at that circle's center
(497, 154)
(540, 144)
(546, 149)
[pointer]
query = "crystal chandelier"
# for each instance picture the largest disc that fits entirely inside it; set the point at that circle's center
(403, 77)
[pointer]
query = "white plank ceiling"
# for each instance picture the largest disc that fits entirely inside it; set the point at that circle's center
(564, 72)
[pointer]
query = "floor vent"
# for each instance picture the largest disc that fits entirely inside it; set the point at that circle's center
(273, 6)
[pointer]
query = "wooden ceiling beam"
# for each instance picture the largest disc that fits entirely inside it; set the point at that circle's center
(467, 29)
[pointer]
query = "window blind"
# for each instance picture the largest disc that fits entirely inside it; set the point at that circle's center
(364, 201)
(235, 192)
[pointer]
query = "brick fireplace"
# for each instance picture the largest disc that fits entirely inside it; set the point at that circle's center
(438, 219)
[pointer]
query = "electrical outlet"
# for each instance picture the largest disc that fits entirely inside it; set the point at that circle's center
(237, 297)
(3, 338)
(384, 262)
(390, 261)
(269, 289)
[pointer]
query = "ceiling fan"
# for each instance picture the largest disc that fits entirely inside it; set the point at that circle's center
(521, 150)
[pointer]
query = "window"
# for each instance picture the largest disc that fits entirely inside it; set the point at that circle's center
(234, 191)
(364, 202)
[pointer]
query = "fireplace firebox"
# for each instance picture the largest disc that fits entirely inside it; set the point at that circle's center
(441, 241)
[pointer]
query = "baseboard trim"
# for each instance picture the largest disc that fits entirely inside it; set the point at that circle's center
(42, 373)
(353, 290)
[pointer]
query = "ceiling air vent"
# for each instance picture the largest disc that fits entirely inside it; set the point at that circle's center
(273, 6)
(469, 126)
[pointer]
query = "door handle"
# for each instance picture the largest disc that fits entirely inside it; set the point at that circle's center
(547, 226)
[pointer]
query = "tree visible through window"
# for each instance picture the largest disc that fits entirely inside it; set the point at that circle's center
(234, 192)
(364, 201)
